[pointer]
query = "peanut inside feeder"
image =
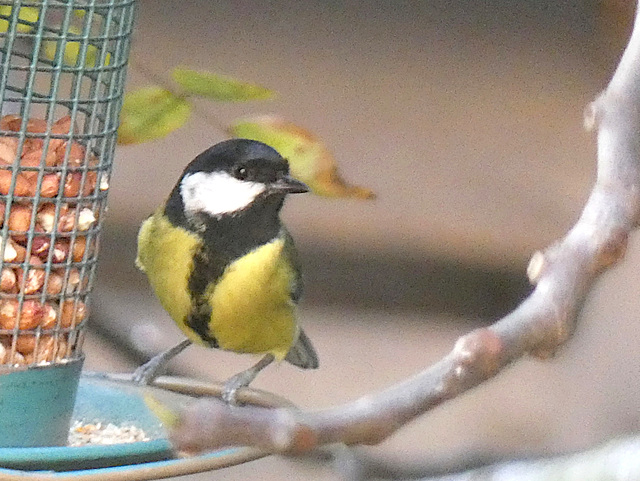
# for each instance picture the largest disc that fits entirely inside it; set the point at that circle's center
(49, 209)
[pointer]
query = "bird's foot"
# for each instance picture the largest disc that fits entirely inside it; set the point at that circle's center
(243, 379)
(150, 370)
(147, 373)
(231, 386)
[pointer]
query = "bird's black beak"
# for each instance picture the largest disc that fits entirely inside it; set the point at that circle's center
(288, 185)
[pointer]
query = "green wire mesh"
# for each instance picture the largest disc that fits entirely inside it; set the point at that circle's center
(63, 66)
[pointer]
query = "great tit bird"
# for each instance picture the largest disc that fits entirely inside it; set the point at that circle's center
(223, 265)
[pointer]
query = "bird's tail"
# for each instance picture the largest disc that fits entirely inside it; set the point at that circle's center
(302, 354)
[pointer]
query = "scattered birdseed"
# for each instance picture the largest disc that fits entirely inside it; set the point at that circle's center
(82, 434)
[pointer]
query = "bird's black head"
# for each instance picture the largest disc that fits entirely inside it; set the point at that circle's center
(233, 175)
(246, 160)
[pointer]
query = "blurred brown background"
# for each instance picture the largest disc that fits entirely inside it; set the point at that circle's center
(466, 119)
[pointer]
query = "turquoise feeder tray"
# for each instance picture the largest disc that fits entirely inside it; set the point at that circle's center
(112, 399)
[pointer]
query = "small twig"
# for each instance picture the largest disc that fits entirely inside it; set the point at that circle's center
(140, 67)
(563, 275)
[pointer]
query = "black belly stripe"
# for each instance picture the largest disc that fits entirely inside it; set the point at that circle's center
(198, 320)
(205, 270)
(225, 239)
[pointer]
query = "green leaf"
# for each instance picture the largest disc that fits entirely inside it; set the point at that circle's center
(71, 55)
(309, 159)
(151, 113)
(26, 14)
(218, 87)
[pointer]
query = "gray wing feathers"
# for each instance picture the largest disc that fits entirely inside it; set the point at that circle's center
(302, 354)
(292, 255)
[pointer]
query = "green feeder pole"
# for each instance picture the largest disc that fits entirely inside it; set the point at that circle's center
(62, 72)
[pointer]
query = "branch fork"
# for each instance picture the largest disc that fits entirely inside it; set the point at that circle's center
(562, 274)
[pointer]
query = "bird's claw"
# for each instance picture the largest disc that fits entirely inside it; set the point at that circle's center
(230, 391)
(150, 370)
(145, 374)
(243, 379)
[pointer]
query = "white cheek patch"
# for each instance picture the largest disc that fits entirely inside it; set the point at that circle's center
(217, 193)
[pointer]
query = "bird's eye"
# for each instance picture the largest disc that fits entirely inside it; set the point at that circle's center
(240, 173)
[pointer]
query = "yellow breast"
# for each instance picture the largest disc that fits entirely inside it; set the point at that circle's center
(165, 254)
(252, 310)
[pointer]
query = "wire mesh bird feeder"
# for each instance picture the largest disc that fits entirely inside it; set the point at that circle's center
(63, 66)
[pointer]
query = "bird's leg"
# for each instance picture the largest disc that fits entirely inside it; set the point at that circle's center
(243, 379)
(151, 369)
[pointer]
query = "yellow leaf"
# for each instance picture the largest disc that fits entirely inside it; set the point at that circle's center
(218, 87)
(71, 55)
(151, 113)
(309, 160)
(167, 416)
(26, 14)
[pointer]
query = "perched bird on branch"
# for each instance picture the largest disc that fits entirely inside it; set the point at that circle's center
(223, 265)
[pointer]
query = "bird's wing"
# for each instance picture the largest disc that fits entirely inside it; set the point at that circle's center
(291, 254)
(143, 240)
(302, 353)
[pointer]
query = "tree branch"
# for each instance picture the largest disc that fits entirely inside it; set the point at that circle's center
(563, 275)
